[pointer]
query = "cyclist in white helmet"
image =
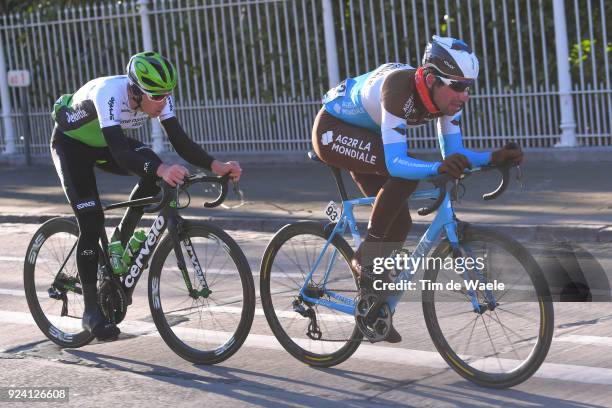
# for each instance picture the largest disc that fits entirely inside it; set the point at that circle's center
(364, 127)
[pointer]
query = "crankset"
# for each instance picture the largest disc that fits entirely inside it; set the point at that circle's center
(113, 301)
(374, 328)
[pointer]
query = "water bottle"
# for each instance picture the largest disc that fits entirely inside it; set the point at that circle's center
(133, 246)
(115, 250)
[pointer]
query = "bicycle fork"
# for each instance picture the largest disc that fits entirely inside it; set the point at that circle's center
(176, 231)
(464, 251)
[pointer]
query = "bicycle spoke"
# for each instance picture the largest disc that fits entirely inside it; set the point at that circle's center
(503, 326)
(517, 315)
(288, 275)
(491, 341)
(458, 331)
(467, 344)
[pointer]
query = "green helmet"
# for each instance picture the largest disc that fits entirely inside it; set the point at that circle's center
(151, 73)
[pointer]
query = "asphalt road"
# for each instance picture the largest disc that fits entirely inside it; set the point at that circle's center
(140, 369)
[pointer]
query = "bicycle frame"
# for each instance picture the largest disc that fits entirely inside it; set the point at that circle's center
(168, 218)
(444, 220)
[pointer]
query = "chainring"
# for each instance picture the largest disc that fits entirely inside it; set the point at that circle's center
(379, 329)
(113, 301)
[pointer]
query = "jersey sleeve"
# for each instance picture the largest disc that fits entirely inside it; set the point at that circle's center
(394, 94)
(449, 137)
(168, 111)
(184, 146)
(107, 101)
(127, 158)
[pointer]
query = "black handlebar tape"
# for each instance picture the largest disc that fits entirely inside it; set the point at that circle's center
(439, 181)
(168, 192)
(222, 181)
(166, 196)
(503, 185)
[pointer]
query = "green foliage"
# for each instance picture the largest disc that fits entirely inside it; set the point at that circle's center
(269, 51)
(581, 52)
(503, 45)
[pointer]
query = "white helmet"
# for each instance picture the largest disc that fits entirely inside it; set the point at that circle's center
(450, 57)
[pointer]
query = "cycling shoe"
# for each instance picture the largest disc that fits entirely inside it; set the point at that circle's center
(95, 322)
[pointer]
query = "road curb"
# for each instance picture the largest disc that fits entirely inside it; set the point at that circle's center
(526, 232)
(555, 155)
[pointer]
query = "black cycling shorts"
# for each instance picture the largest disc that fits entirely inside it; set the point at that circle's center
(75, 163)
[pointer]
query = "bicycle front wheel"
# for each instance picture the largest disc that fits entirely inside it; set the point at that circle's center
(314, 334)
(208, 324)
(497, 336)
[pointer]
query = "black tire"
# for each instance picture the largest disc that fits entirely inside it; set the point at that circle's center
(38, 275)
(532, 298)
(349, 335)
(160, 299)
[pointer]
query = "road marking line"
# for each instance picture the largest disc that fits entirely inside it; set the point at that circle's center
(212, 271)
(329, 317)
(551, 371)
(587, 340)
(20, 292)
(11, 258)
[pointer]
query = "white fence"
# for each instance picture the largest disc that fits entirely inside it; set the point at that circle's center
(252, 71)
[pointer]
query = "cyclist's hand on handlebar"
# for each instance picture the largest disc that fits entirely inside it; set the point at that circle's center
(454, 165)
(231, 167)
(173, 174)
(510, 153)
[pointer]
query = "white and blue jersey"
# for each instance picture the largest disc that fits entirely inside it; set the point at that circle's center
(387, 101)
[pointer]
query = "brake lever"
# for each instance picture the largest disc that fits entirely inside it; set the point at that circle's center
(458, 191)
(519, 177)
(239, 194)
(182, 189)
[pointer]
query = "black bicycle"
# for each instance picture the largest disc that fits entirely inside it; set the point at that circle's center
(201, 291)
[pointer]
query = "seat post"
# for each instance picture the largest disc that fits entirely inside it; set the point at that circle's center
(312, 155)
(339, 182)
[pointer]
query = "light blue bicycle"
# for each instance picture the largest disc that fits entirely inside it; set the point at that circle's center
(491, 318)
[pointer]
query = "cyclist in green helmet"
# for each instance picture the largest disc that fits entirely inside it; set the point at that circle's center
(89, 132)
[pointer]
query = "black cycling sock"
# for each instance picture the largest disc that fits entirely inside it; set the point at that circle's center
(90, 295)
(90, 225)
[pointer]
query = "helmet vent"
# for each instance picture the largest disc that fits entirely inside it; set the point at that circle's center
(461, 46)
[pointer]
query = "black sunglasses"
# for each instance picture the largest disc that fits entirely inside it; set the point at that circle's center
(457, 85)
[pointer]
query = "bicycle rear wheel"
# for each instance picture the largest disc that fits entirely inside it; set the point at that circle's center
(288, 259)
(52, 285)
(209, 324)
(494, 344)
